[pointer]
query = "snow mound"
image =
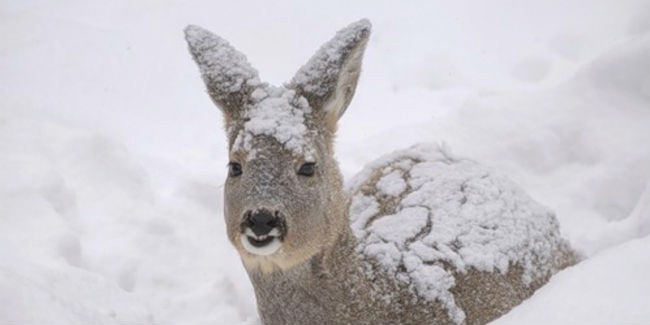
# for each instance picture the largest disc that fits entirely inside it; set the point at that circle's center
(624, 68)
(65, 295)
(609, 288)
(87, 238)
(424, 216)
(636, 225)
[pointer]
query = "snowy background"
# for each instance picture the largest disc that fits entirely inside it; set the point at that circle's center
(112, 155)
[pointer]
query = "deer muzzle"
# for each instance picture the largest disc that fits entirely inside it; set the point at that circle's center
(262, 231)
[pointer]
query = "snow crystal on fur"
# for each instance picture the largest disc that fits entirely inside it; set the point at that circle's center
(450, 215)
(276, 112)
(316, 76)
(225, 70)
(270, 111)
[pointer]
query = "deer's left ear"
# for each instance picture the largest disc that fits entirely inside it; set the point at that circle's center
(329, 79)
(229, 77)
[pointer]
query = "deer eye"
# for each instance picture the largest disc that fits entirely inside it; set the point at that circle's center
(234, 169)
(307, 169)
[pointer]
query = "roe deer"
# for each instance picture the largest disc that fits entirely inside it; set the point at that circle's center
(420, 237)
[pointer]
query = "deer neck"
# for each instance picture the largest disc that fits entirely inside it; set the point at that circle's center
(329, 263)
(316, 289)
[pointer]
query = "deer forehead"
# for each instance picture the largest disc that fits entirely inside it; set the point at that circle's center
(279, 114)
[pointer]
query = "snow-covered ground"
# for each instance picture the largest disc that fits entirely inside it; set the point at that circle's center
(112, 155)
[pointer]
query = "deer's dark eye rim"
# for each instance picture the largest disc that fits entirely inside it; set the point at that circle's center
(307, 169)
(234, 169)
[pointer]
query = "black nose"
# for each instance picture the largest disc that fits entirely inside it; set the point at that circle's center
(261, 222)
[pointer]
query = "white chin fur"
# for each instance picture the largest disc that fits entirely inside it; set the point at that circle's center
(269, 249)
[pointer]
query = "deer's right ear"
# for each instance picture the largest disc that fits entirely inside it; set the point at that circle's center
(229, 77)
(329, 79)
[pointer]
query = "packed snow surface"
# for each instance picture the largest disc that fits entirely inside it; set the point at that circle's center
(590, 293)
(112, 155)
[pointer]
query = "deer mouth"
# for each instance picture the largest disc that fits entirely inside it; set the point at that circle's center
(263, 245)
(262, 231)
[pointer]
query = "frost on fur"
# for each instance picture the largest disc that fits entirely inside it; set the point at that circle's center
(422, 215)
(252, 108)
(278, 113)
(329, 78)
(225, 71)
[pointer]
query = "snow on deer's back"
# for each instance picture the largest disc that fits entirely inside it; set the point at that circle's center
(426, 218)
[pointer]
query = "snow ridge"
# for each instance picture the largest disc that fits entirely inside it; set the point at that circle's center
(422, 216)
(224, 69)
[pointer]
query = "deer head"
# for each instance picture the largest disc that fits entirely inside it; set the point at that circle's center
(283, 195)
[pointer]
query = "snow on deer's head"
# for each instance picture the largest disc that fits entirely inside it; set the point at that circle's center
(283, 195)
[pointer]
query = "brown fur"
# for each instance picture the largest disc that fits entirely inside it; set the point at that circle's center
(317, 276)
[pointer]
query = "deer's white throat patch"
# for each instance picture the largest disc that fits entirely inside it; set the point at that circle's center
(276, 112)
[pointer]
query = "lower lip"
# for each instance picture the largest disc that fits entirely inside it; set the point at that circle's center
(265, 250)
(260, 243)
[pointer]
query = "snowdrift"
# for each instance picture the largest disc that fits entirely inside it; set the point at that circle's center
(121, 225)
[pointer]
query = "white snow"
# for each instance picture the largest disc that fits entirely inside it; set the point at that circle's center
(278, 113)
(591, 293)
(392, 184)
(112, 155)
